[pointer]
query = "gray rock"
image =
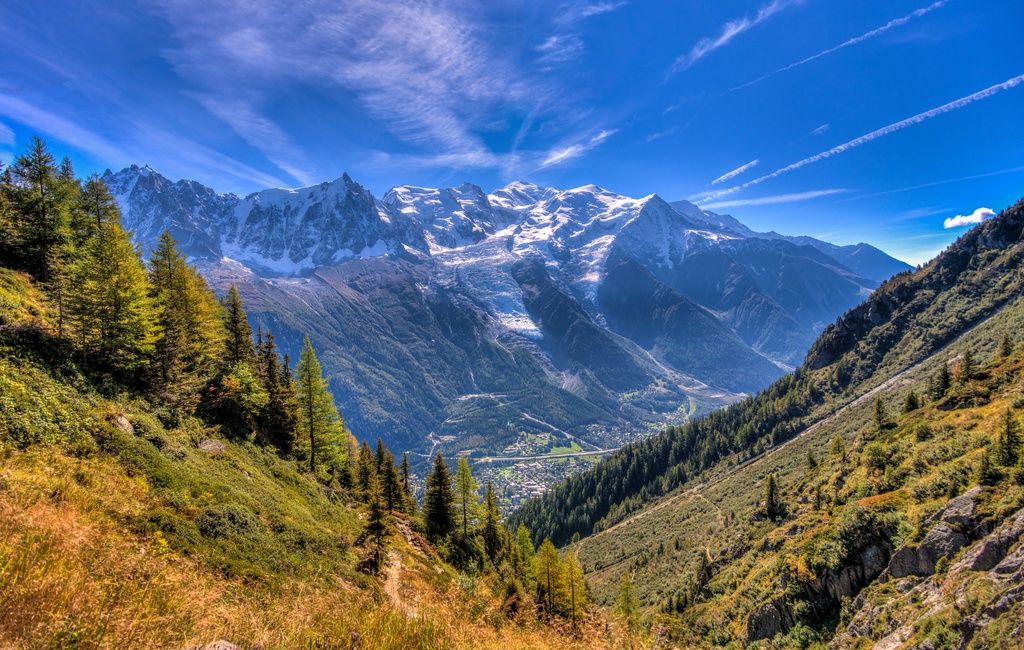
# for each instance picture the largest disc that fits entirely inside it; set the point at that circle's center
(771, 618)
(211, 446)
(941, 541)
(123, 424)
(1011, 563)
(991, 550)
(960, 510)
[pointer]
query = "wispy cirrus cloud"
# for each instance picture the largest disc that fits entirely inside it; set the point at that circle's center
(736, 172)
(577, 11)
(976, 217)
(876, 134)
(562, 154)
(776, 198)
(878, 31)
(559, 49)
(729, 31)
(6, 135)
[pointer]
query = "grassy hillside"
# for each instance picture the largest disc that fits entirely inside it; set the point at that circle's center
(124, 524)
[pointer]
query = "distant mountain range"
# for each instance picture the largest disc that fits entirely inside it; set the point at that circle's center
(455, 317)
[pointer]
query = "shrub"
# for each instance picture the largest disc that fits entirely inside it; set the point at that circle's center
(227, 520)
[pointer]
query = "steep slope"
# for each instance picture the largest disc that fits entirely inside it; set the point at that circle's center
(127, 524)
(869, 515)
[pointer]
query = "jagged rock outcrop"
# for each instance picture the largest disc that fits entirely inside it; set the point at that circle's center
(949, 530)
(771, 618)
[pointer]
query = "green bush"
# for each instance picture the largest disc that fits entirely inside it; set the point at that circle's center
(227, 520)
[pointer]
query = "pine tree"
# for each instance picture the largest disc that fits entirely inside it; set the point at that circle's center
(95, 207)
(391, 483)
(377, 526)
(1006, 346)
(968, 368)
(987, 473)
(366, 470)
(279, 418)
(492, 533)
(1008, 447)
(818, 497)
(626, 604)
(837, 448)
(319, 420)
(772, 505)
(940, 382)
(238, 345)
(467, 497)
(439, 502)
(406, 476)
(912, 402)
(881, 420)
(39, 228)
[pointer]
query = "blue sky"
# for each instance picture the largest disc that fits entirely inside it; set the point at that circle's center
(851, 120)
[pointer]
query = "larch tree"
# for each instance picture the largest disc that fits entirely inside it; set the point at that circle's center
(626, 604)
(550, 579)
(467, 497)
(526, 555)
(577, 591)
(319, 420)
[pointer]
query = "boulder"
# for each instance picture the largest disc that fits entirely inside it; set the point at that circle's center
(211, 446)
(991, 550)
(959, 511)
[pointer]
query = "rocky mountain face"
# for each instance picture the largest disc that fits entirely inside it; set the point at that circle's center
(451, 316)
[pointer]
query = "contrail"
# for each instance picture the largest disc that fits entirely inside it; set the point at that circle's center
(895, 22)
(734, 173)
(874, 135)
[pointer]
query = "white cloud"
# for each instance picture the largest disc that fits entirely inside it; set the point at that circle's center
(777, 198)
(736, 172)
(877, 133)
(424, 71)
(821, 129)
(729, 31)
(559, 49)
(878, 31)
(560, 155)
(6, 135)
(979, 215)
(577, 11)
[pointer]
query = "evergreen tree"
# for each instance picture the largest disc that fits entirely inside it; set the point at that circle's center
(115, 314)
(279, 418)
(319, 420)
(881, 420)
(406, 476)
(38, 229)
(626, 604)
(818, 497)
(238, 344)
(439, 502)
(1008, 447)
(95, 207)
(577, 586)
(987, 473)
(377, 527)
(492, 526)
(837, 448)
(940, 382)
(467, 497)
(366, 470)
(912, 402)
(773, 508)
(391, 483)
(1005, 346)
(968, 368)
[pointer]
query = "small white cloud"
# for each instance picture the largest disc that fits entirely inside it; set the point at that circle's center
(729, 31)
(581, 11)
(560, 155)
(559, 49)
(821, 129)
(979, 215)
(6, 135)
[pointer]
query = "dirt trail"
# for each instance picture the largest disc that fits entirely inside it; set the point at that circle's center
(392, 586)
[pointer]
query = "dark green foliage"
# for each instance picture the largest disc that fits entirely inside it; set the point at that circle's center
(227, 520)
(968, 368)
(912, 402)
(1008, 444)
(940, 383)
(988, 473)
(1005, 346)
(439, 502)
(881, 418)
(238, 347)
(377, 528)
(773, 506)
(278, 421)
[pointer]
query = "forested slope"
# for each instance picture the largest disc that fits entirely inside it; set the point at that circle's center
(908, 318)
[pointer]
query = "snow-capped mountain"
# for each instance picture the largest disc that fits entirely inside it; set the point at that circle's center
(450, 314)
